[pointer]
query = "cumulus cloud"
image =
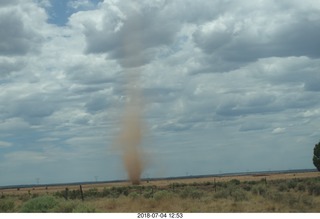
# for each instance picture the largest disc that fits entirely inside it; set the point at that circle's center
(19, 37)
(131, 39)
(278, 130)
(214, 74)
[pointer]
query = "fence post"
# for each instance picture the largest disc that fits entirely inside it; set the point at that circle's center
(66, 193)
(214, 184)
(81, 192)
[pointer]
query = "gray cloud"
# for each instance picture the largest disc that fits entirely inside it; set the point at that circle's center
(237, 38)
(7, 2)
(131, 40)
(64, 102)
(17, 39)
(8, 66)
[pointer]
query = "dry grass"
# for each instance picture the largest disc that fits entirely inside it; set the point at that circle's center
(163, 183)
(272, 193)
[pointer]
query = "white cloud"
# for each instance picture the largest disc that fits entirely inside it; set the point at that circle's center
(4, 144)
(81, 4)
(278, 130)
(213, 74)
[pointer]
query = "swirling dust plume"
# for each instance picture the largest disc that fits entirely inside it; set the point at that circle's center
(131, 135)
(132, 128)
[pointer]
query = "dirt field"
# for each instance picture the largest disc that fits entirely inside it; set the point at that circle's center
(160, 183)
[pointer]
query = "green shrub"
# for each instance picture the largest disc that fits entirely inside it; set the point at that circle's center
(259, 190)
(246, 187)
(162, 194)
(222, 194)
(239, 195)
(82, 208)
(74, 194)
(234, 182)
(283, 187)
(301, 187)
(196, 194)
(291, 184)
(24, 197)
(276, 196)
(6, 205)
(65, 206)
(148, 193)
(40, 204)
(133, 195)
(106, 192)
(314, 189)
(93, 192)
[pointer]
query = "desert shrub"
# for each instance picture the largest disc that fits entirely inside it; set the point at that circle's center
(24, 197)
(259, 190)
(6, 205)
(73, 194)
(105, 192)
(123, 190)
(246, 187)
(133, 195)
(114, 193)
(239, 195)
(282, 187)
(40, 204)
(234, 182)
(196, 194)
(307, 200)
(82, 208)
(314, 189)
(221, 185)
(301, 187)
(162, 194)
(65, 206)
(292, 200)
(252, 182)
(222, 194)
(93, 192)
(177, 185)
(190, 192)
(292, 184)
(148, 193)
(275, 196)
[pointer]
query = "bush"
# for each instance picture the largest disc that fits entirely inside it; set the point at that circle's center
(301, 187)
(40, 204)
(162, 194)
(239, 195)
(246, 187)
(74, 194)
(148, 193)
(291, 184)
(283, 187)
(276, 196)
(6, 206)
(133, 195)
(189, 192)
(65, 206)
(259, 190)
(234, 182)
(81, 208)
(314, 189)
(223, 193)
(93, 192)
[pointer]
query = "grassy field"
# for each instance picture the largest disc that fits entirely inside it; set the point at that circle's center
(298, 192)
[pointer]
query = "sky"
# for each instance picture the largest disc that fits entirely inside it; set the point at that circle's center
(227, 86)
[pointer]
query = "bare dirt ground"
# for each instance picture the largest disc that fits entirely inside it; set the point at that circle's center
(162, 182)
